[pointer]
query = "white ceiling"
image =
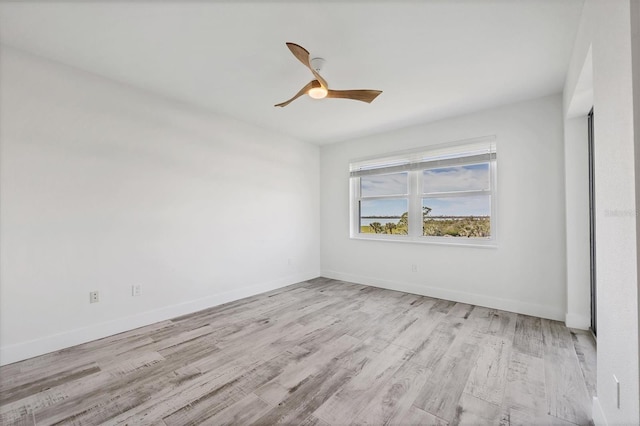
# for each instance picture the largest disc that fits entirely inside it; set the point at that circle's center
(432, 59)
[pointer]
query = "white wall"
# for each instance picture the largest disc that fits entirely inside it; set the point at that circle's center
(578, 101)
(104, 186)
(525, 273)
(606, 28)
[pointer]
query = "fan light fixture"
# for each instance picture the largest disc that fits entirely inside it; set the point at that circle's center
(318, 87)
(317, 92)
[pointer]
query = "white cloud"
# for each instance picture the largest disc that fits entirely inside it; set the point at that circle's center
(391, 184)
(460, 178)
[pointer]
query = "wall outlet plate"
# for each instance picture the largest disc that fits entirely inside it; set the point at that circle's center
(94, 297)
(136, 290)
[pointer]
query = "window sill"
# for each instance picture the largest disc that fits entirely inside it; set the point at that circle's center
(442, 241)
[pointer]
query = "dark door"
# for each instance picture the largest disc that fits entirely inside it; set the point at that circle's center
(592, 230)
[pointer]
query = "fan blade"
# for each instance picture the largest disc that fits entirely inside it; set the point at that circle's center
(299, 52)
(302, 91)
(357, 95)
(303, 56)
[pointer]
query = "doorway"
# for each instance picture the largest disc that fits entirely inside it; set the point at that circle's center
(592, 226)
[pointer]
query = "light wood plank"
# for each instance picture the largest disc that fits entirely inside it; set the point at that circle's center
(16, 393)
(567, 396)
(224, 384)
(361, 355)
(525, 390)
(513, 417)
(227, 392)
(442, 306)
(585, 347)
(243, 412)
(489, 375)
(295, 372)
(272, 392)
(396, 325)
(460, 313)
(528, 336)
(494, 322)
(443, 389)
(431, 350)
(356, 394)
(99, 392)
(18, 418)
(414, 416)
(395, 396)
(473, 411)
(418, 332)
(314, 421)
(305, 398)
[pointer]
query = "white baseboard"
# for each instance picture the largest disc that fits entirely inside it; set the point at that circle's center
(24, 350)
(578, 321)
(510, 305)
(598, 415)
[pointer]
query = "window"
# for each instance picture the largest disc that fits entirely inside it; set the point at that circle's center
(384, 202)
(445, 193)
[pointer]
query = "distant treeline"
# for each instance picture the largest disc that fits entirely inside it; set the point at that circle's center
(434, 226)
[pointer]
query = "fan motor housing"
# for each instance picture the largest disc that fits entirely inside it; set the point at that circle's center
(317, 63)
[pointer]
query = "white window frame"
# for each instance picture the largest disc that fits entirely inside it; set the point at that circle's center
(414, 162)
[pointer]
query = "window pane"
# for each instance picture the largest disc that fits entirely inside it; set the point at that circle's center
(377, 185)
(465, 216)
(471, 177)
(384, 216)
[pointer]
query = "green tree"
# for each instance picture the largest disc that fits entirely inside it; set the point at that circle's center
(376, 227)
(428, 227)
(390, 226)
(403, 224)
(404, 219)
(425, 211)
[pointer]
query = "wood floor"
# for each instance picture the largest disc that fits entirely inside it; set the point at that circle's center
(320, 352)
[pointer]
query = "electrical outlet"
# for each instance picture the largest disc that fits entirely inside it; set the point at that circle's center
(94, 297)
(136, 290)
(414, 268)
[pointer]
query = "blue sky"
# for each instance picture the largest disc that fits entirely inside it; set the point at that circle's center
(383, 207)
(477, 205)
(392, 184)
(447, 179)
(459, 178)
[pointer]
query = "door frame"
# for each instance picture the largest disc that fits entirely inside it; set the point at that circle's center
(592, 226)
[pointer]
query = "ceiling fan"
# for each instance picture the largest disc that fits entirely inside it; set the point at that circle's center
(318, 88)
